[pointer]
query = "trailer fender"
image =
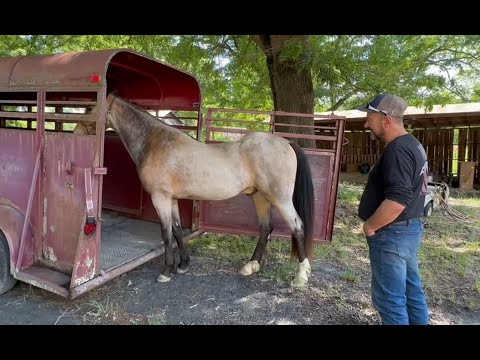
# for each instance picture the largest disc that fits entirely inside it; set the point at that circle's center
(11, 224)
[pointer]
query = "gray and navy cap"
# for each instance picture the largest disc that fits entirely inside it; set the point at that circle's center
(386, 104)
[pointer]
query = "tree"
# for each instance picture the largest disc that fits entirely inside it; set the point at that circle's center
(290, 80)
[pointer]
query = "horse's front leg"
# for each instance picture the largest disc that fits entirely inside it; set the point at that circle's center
(163, 206)
(263, 207)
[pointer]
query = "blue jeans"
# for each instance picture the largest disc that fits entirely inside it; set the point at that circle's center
(396, 285)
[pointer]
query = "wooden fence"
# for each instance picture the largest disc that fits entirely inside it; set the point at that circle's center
(444, 147)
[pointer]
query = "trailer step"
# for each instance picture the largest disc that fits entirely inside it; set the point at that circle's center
(45, 278)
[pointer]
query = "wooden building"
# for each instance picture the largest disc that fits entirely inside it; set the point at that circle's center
(449, 133)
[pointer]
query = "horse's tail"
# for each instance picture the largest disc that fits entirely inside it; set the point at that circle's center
(303, 200)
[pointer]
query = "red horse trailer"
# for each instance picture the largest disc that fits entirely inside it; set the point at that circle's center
(54, 184)
(73, 213)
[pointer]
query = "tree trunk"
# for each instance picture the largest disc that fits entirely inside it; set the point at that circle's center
(292, 87)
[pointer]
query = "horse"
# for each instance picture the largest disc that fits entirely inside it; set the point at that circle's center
(171, 165)
(85, 127)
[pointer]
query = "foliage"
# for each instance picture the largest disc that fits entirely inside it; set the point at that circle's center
(425, 70)
(346, 69)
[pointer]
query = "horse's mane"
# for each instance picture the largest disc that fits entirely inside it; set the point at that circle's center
(148, 119)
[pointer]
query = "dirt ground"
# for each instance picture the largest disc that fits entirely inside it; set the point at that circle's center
(212, 292)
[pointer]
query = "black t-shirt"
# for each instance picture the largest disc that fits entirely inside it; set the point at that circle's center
(401, 175)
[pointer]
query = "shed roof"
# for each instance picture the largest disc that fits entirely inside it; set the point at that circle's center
(138, 77)
(441, 116)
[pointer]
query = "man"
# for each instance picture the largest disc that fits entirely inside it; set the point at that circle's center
(391, 207)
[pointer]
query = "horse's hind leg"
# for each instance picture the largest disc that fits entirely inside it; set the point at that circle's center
(177, 233)
(163, 205)
(263, 207)
(288, 212)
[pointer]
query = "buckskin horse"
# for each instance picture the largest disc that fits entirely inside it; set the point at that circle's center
(172, 165)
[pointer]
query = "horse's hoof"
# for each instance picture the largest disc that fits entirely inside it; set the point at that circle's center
(300, 281)
(304, 270)
(250, 268)
(182, 271)
(305, 267)
(162, 278)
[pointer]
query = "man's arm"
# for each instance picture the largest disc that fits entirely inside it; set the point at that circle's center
(398, 172)
(387, 212)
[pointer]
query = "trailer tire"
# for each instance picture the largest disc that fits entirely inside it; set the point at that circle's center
(428, 210)
(7, 281)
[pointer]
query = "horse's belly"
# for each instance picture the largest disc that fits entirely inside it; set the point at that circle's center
(210, 173)
(211, 190)
(210, 194)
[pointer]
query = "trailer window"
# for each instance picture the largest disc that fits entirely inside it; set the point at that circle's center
(16, 112)
(63, 110)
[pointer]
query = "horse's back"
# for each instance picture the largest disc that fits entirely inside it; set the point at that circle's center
(264, 140)
(266, 146)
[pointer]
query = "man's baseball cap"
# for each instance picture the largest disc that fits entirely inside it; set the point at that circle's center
(386, 104)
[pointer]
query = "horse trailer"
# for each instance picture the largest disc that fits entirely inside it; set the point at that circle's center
(73, 212)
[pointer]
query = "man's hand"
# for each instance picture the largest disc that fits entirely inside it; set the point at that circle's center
(386, 213)
(368, 230)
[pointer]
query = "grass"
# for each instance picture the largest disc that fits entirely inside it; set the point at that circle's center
(156, 319)
(106, 310)
(220, 246)
(282, 273)
(350, 276)
(239, 249)
(349, 192)
(236, 247)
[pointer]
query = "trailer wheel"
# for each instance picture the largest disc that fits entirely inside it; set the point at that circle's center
(428, 209)
(7, 281)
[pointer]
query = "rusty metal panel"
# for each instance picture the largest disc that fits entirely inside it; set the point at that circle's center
(86, 264)
(18, 150)
(66, 157)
